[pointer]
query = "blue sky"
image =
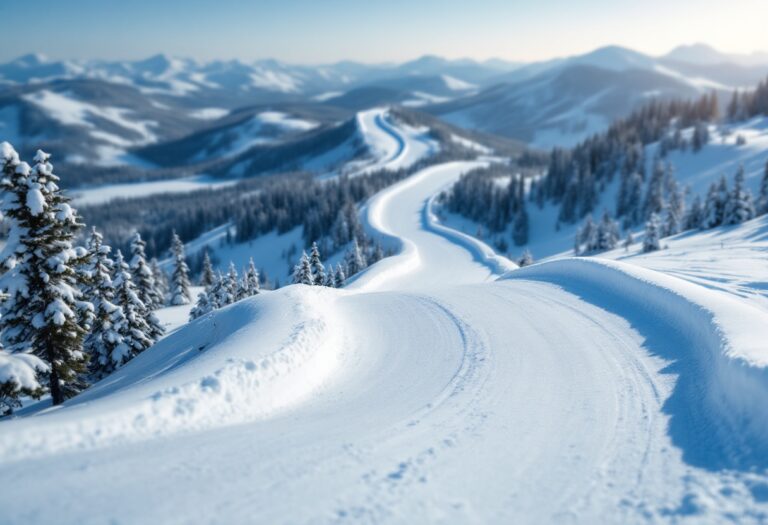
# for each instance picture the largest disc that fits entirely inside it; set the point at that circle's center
(317, 31)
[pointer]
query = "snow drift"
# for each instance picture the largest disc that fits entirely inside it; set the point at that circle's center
(723, 368)
(233, 365)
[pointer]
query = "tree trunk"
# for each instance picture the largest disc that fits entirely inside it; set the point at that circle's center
(57, 396)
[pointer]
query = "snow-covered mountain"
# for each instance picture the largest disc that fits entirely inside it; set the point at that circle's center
(562, 101)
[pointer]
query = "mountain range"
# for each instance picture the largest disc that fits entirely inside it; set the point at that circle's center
(169, 112)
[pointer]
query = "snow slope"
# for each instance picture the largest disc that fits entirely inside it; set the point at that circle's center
(391, 146)
(428, 391)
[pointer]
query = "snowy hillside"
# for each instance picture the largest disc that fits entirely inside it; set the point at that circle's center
(442, 385)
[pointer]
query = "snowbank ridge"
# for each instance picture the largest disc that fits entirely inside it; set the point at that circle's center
(727, 357)
(234, 365)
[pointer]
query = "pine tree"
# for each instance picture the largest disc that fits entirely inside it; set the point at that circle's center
(629, 240)
(330, 280)
(520, 227)
(161, 280)
(694, 216)
(302, 272)
(652, 238)
(146, 288)
(339, 278)
(202, 307)
(711, 217)
(104, 344)
(355, 260)
(250, 280)
(231, 284)
(39, 313)
(180, 277)
(654, 197)
(739, 207)
(206, 276)
(607, 233)
(135, 330)
(217, 292)
(588, 235)
(318, 270)
(675, 212)
(142, 275)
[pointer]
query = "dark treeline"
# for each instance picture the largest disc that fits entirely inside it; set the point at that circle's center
(574, 178)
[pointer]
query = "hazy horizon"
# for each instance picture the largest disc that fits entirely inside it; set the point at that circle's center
(46, 56)
(305, 32)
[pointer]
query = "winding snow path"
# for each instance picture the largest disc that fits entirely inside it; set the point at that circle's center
(445, 395)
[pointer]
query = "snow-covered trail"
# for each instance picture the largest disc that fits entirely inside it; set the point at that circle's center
(445, 396)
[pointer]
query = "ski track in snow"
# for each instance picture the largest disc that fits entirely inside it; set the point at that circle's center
(437, 392)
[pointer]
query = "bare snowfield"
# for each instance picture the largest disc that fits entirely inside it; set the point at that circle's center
(443, 385)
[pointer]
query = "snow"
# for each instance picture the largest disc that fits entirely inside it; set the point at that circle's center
(457, 84)
(19, 368)
(392, 146)
(442, 385)
(111, 148)
(35, 201)
(174, 317)
(274, 80)
(72, 112)
(209, 113)
(470, 144)
(263, 128)
(328, 95)
(274, 254)
(108, 192)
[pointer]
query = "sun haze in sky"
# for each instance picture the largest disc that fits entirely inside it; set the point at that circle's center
(321, 31)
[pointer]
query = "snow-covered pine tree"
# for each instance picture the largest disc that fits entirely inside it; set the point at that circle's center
(588, 235)
(711, 216)
(180, 278)
(694, 216)
(39, 313)
(316, 264)
(652, 237)
(330, 281)
(739, 207)
(161, 280)
(206, 275)
(217, 292)
(355, 259)
(104, 344)
(20, 370)
(232, 284)
(302, 272)
(251, 280)
(141, 273)
(135, 330)
(144, 281)
(526, 259)
(339, 277)
(629, 240)
(202, 306)
(607, 233)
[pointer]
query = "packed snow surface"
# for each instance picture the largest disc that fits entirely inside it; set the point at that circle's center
(443, 385)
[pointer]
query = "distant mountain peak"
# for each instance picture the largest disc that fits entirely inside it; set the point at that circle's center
(698, 53)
